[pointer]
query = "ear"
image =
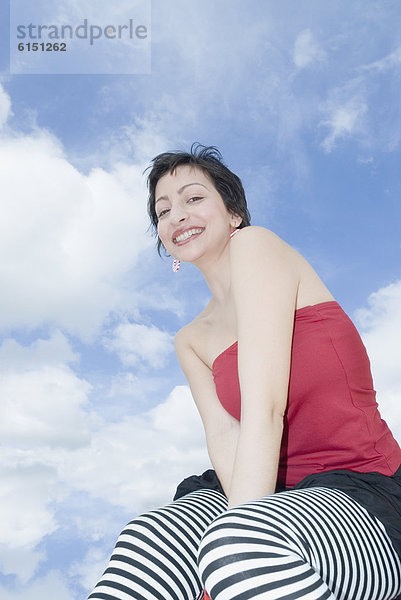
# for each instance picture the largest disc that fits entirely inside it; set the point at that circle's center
(235, 220)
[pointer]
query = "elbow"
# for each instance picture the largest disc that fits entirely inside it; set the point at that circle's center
(271, 416)
(222, 430)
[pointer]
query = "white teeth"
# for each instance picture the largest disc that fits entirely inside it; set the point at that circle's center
(184, 236)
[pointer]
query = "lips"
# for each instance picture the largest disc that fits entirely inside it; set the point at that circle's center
(183, 236)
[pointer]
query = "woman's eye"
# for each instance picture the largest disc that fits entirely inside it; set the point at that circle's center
(162, 213)
(194, 198)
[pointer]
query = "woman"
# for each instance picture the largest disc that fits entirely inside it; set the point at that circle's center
(307, 498)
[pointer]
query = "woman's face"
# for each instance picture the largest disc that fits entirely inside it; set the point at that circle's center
(192, 217)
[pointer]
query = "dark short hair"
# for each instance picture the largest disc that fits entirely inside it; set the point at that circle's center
(210, 161)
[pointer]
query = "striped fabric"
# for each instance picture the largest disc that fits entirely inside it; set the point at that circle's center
(156, 554)
(314, 544)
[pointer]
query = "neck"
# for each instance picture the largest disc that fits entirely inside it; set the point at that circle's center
(217, 274)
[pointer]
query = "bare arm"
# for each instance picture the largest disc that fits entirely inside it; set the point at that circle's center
(221, 428)
(264, 287)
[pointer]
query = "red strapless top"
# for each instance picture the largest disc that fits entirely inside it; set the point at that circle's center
(332, 420)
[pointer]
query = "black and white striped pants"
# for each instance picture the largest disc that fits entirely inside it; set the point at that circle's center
(315, 543)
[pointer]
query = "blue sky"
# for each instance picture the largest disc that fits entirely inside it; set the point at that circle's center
(97, 423)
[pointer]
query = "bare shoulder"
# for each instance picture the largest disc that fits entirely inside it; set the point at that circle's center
(255, 236)
(259, 243)
(182, 339)
(185, 338)
(258, 249)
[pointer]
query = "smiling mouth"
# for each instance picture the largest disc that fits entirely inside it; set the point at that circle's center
(187, 234)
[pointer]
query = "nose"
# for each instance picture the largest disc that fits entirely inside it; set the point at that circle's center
(178, 213)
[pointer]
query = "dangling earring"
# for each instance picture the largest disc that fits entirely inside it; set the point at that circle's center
(176, 265)
(234, 231)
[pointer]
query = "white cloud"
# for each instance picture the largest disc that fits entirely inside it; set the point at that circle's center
(5, 107)
(124, 384)
(307, 50)
(344, 119)
(20, 561)
(25, 516)
(132, 392)
(42, 399)
(26, 489)
(42, 409)
(354, 109)
(135, 343)
(52, 585)
(55, 351)
(134, 464)
(144, 135)
(89, 570)
(67, 240)
(137, 462)
(380, 324)
(390, 61)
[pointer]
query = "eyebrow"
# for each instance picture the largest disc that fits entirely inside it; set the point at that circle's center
(181, 190)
